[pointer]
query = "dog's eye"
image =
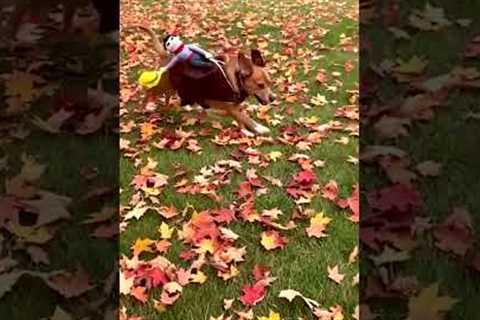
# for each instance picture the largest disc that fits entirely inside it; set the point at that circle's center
(261, 85)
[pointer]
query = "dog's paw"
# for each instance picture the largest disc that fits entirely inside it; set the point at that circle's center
(260, 129)
(248, 133)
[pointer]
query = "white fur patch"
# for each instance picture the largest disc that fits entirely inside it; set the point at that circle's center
(261, 129)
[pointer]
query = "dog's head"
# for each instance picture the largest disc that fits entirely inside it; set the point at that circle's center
(256, 81)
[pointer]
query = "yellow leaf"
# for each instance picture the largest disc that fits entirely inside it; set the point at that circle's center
(31, 235)
(60, 314)
(206, 246)
(147, 130)
(311, 120)
(142, 245)
(151, 191)
(338, 316)
(318, 224)
(31, 170)
(275, 155)
(428, 305)
(272, 240)
(160, 307)
(413, 66)
(320, 219)
(165, 231)
(22, 84)
(271, 316)
(268, 242)
(199, 277)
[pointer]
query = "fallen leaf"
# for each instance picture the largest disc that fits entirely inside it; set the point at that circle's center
(272, 316)
(318, 224)
(428, 305)
(429, 168)
(335, 275)
(272, 240)
(252, 295)
(142, 245)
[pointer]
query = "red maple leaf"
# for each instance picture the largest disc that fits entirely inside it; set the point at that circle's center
(252, 294)
(260, 272)
(8, 210)
(370, 237)
(225, 216)
(397, 197)
(330, 190)
(305, 177)
(158, 277)
(353, 203)
(295, 192)
(245, 190)
(187, 255)
(455, 234)
(139, 181)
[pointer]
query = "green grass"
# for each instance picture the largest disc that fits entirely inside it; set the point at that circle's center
(64, 156)
(302, 265)
(448, 139)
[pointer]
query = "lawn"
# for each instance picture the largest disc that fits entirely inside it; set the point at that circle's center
(311, 50)
(446, 137)
(51, 237)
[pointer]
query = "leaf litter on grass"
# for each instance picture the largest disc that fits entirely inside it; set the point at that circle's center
(41, 216)
(402, 222)
(228, 186)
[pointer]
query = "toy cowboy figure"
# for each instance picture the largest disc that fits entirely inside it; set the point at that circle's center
(181, 52)
(191, 53)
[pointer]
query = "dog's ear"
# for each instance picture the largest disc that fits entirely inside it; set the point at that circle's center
(244, 65)
(257, 58)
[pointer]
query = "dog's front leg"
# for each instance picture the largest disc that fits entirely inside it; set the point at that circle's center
(234, 110)
(245, 119)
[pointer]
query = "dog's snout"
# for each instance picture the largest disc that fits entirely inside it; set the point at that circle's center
(272, 97)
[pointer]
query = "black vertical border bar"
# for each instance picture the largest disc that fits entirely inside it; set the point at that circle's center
(419, 169)
(59, 190)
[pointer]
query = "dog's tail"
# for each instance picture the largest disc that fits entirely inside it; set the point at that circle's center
(157, 45)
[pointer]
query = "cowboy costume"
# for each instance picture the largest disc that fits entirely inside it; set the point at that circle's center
(149, 80)
(190, 53)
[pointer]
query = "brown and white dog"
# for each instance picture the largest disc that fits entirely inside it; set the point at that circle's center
(248, 75)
